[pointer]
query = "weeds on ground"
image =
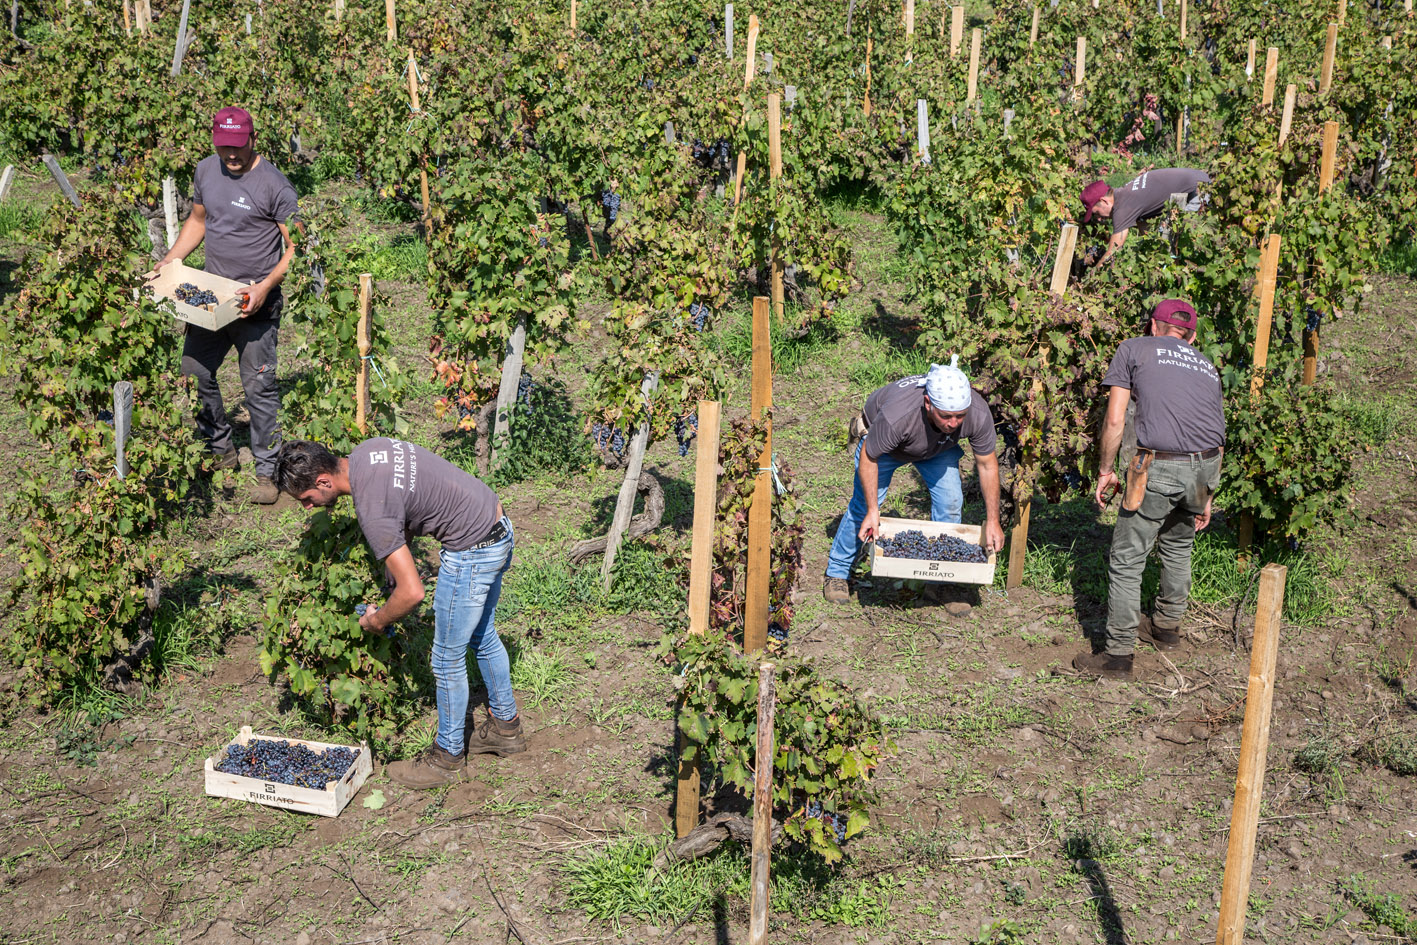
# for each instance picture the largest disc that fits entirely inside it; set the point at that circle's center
(791, 350)
(1380, 908)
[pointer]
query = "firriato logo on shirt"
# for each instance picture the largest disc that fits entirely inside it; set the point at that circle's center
(380, 457)
(241, 203)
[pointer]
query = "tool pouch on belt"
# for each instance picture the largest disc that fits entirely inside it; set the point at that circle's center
(1136, 479)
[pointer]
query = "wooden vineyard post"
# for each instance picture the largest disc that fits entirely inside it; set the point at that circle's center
(179, 45)
(956, 29)
(507, 388)
(866, 101)
(757, 603)
(922, 130)
(417, 112)
(169, 209)
(686, 796)
(1271, 75)
(122, 425)
(127, 17)
(1269, 267)
(909, 18)
(1291, 93)
(1330, 49)
(1254, 745)
(1342, 11)
(975, 38)
(625, 502)
(728, 30)
(1033, 30)
(390, 24)
(752, 51)
(1080, 73)
(1330, 153)
(1183, 21)
(339, 10)
(366, 345)
(738, 184)
(1250, 61)
(762, 807)
(60, 178)
(775, 173)
(1018, 537)
(7, 178)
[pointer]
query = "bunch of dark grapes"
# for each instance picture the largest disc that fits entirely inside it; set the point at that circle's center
(285, 763)
(777, 631)
(833, 822)
(611, 202)
(699, 313)
(708, 155)
(607, 437)
(361, 609)
(524, 388)
(1313, 318)
(648, 84)
(685, 429)
(187, 292)
(913, 543)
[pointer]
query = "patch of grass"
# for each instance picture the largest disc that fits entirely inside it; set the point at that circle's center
(18, 221)
(544, 438)
(183, 634)
(790, 351)
(1396, 752)
(1319, 756)
(1399, 259)
(542, 676)
(1098, 843)
(882, 363)
(1375, 420)
(1382, 909)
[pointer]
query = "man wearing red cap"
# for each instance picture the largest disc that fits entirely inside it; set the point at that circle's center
(242, 208)
(1180, 427)
(1140, 199)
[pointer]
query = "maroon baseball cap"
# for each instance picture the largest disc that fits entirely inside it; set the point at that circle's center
(231, 128)
(1175, 312)
(1092, 193)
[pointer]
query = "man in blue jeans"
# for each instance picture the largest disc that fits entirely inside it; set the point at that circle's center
(919, 420)
(1180, 424)
(401, 490)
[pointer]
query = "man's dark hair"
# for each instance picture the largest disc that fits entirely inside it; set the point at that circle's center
(300, 463)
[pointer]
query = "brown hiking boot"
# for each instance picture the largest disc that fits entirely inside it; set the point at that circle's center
(265, 492)
(1103, 664)
(229, 460)
(1162, 638)
(836, 590)
(433, 768)
(495, 737)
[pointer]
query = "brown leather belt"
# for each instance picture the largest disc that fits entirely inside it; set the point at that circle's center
(1162, 454)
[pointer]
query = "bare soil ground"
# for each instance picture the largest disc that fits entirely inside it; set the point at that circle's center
(1058, 809)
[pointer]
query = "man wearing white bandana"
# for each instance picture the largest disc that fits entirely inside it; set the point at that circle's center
(908, 425)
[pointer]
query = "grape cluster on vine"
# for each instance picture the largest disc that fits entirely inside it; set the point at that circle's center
(525, 386)
(708, 155)
(607, 436)
(699, 313)
(611, 202)
(833, 822)
(777, 631)
(189, 293)
(685, 429)
(286, 763)
(913, 543)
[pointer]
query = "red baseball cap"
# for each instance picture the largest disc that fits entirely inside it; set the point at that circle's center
(231, 128)
(1092, 193)
(1175, 312)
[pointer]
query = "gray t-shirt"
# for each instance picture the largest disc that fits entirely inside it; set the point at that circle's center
(400, 489)
(1144, 196)
(897, 424)
(243, 240)
(1177, 392)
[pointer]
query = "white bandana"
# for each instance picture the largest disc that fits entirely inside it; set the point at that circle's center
(947, 387)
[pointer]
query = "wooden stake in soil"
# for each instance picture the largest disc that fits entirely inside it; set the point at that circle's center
(1183, 21)
(179, 48)
(922, 130)
(169, 209)
(122, 425)
(775, 173)
(339, 10)
(1250, 61)
(1254, 744)
(7, 177)
(738, 185)
(762, 807)
(1330, 154)
(1269, 266)
(390, 24)
(956, 30)
(60, 178)
(1291, 93)
(1271, 75)
(757, 598)
(686, 797)
(1342, 11)
(975, 38)
(127, 18)
(728, 30)
(625, 502)
(366, 345)
(1033, 30)
(1311, 358)
(909, 18)
(866, 102)
(1330, 49)
(1080, 73)
(418, 111)
(752, 51)
(507, 391)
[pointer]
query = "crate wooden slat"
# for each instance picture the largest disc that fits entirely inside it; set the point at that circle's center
(327, 803)
(227, 309)
(919, 569)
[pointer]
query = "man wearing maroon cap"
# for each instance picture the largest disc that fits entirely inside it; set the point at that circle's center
(1180, 427)
(1140, 199)
(242, 208)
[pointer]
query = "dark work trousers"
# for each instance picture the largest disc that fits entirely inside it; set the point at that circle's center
(254, 339)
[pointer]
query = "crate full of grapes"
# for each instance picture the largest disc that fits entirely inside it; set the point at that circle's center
(198, 297)
(931, 551)
(293, 773)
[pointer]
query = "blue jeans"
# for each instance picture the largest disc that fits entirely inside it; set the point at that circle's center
(464, 607)
(941, 475)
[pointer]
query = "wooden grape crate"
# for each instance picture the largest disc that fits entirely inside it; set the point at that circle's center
(327, 803)
(919, 569)
(227, 309)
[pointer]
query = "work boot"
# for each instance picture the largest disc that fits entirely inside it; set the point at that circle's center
(265, 492)
(1103, 664)
(1163, 638)
(495, 737)
(433, 768)
(836, 590)
(228, 460)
